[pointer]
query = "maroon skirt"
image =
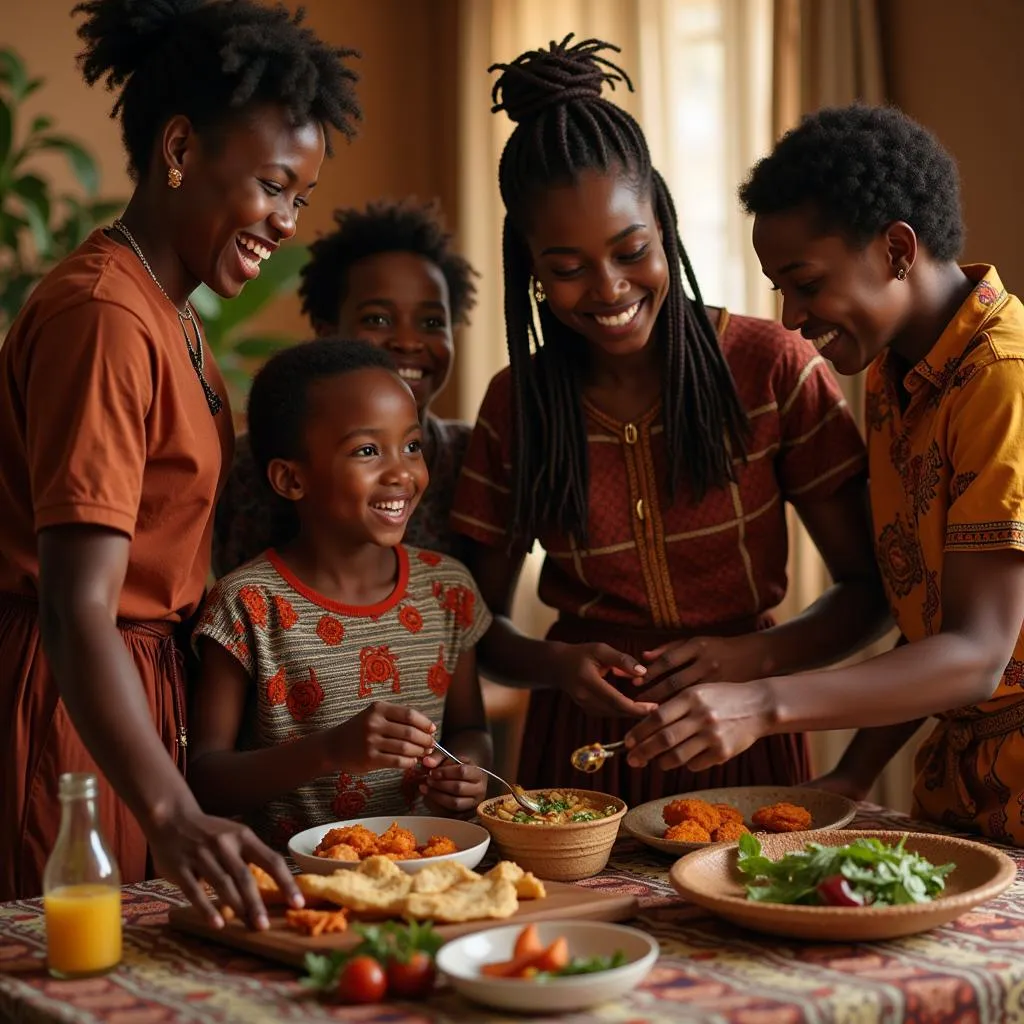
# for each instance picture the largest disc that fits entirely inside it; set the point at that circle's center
(556, 726)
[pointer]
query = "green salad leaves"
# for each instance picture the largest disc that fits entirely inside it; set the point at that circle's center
(867, 872)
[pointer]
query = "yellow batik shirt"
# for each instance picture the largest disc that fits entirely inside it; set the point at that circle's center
(947, 474)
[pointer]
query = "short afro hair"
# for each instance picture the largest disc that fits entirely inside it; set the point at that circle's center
(863, 168)
(405, 226)
(211, 61)
(279, 399)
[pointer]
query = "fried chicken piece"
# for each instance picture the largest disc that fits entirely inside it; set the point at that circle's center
(341, 852)
(687, 832)
(781, 818)
(396, 840)
(698, 811)
(360, 838)
(728, 831)
(438, 846)
(317, 922)
(728, 813)
(405, 855)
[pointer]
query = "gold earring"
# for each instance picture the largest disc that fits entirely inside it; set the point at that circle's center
(174, 177)
(901, 274)
(539, 294)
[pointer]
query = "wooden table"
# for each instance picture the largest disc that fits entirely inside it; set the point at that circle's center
(970, 971)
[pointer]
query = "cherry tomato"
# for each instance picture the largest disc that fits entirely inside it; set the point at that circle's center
(362, 981)
(413, 979)
(835, 891)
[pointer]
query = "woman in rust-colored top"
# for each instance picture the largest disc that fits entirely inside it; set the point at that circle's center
(650, 445)
(114, 432)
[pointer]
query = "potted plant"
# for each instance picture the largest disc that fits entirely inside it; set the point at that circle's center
(37, 228)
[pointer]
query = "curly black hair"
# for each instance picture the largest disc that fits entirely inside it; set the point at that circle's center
(210, 60)
(279, 399)
(405, 226)
(565, 127)
(862, 168)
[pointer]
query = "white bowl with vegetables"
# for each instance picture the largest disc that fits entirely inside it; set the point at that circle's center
(845, 885)
(599, 962)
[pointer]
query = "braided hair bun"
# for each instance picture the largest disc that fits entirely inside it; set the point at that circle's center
(540, 79)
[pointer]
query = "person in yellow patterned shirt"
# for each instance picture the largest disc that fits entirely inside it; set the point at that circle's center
(858, 224)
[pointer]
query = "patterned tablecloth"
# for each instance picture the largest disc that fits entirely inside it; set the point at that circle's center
(970, 971)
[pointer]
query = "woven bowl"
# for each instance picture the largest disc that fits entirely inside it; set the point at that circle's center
(559, 853)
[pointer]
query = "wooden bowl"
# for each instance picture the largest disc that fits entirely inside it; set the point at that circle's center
(828, 810)
(708, 877)
(559, 853)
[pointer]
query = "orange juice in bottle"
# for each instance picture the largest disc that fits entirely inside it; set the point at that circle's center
(81, 888)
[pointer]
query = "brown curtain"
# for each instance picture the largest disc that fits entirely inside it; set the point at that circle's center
(829, 53)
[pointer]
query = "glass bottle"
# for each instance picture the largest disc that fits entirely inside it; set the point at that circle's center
(81, 888)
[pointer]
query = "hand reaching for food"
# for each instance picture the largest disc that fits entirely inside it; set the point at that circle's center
(704, 659)
(704, 725)
(580, 671)
(382, 735)
(452, 789)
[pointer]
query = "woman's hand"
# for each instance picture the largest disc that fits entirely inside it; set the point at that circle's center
(452, 790)
(705, 659)
(705, 725)
(382, 735)
(190, 848)
(579, 671)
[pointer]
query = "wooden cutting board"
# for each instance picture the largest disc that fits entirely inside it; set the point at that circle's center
(287, 946)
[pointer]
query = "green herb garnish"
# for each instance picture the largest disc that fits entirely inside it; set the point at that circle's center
(866, 871)
(585, 965)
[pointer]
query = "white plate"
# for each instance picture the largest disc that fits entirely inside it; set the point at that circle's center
(461, 959)
(472, 841)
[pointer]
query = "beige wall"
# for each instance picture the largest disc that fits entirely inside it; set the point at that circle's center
(406, 143)
(956, 67)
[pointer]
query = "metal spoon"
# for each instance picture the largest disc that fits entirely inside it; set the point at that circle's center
(517, 791)
(591, 757)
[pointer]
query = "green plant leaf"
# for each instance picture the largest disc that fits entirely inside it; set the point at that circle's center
(40, 124)
(261, 346)
(13, 73)
(207, 304)
(81, 162)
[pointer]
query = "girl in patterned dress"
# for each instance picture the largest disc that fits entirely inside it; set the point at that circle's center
(650, 444)
(328, 662)
(387, 275)
(858, 223)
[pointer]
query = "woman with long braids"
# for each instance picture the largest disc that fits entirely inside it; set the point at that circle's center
(115, 434)
(650, 445)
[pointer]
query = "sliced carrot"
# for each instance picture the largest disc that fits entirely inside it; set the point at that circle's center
(510, 968)
(554, 958)
(528, 942)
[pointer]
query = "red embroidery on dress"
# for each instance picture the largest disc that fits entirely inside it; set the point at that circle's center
(277, 688)
(304, 698)
(255, 604)
(410, 618)
(377, 665)
(438, 677)
(460, 601)
(286, 614)
(239, 627)
(330, 630)
(352, 796)
(429, 557)
(437, 588)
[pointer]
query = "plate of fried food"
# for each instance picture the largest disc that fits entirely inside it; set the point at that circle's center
(843, 885)
(690, 821)
(413, 842)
